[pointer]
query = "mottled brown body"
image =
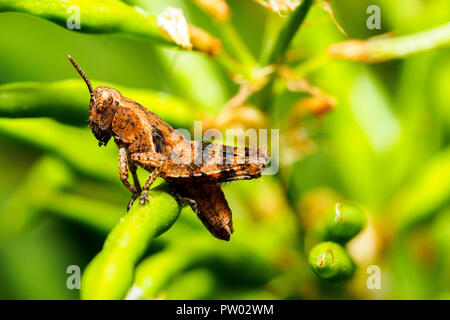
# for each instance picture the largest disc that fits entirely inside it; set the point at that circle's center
(193, 169)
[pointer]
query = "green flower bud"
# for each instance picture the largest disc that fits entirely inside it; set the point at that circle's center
(331, 261)
(343, 223)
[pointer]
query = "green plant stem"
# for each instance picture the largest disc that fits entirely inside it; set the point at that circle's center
(288, 31)
(68, 102)
(67, 142)
(156, 272)
(292, 203)
(278, 50)
(95, 214)
(194, 284)
(399, 47)
(97, 16)
(379, 50)
(280, 46)
(17, 214)
(110, 273)
(234, 41)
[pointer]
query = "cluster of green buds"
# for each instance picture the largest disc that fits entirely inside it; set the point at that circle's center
(329, 259)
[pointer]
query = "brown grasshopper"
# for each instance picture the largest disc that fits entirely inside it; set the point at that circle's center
(193, 169)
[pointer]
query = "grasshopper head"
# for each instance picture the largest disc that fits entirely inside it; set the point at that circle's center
(102, 107)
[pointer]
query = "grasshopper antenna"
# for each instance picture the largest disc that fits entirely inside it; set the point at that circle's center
(82, 74)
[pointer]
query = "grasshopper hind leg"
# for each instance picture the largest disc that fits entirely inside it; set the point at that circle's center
(144, 195)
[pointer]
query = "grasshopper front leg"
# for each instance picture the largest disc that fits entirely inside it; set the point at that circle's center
(133, 169)
(124, 165)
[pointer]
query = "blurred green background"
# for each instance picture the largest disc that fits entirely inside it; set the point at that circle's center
(384, 147)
